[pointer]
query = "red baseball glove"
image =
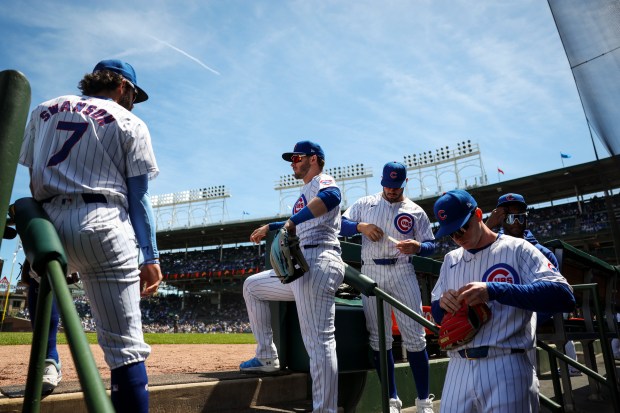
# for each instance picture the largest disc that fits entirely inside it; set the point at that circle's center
(461, 327)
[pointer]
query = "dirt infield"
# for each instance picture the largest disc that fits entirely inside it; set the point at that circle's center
(165, 359)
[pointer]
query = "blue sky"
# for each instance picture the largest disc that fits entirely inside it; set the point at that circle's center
(233, 84)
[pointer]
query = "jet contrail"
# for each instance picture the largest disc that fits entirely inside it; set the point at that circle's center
(185, 54)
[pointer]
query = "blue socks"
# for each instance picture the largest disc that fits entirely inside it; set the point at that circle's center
(418, 361)
(130, 392)
(391, 375)
(33, 296)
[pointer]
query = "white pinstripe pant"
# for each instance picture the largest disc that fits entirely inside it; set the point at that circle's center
(504, 383)
(314, 298)
(100, 244)
(400, 282)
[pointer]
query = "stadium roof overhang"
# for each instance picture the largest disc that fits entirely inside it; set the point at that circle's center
(583, 179)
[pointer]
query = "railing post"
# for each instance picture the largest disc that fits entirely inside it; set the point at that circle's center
(385, 396)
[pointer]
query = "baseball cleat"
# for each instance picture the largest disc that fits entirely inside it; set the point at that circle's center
(260, 365)
(51, 375)
(425, 405)
(395, 405)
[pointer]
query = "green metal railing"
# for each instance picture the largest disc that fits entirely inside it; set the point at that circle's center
(369, 288)
(608, 359)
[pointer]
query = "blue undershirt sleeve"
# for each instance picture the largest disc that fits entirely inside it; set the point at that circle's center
(276, 225)
(348, 228)
(437, 312)
(141, 216)
(426, 248)
(541, 296)
(302, 216)
(330, 197)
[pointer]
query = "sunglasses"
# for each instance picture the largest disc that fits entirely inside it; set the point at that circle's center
(512, 218)
(297, 158)
(461, 231)
(135, 90)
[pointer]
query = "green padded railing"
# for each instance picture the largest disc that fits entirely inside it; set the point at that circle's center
(14, 104)
(46, 255)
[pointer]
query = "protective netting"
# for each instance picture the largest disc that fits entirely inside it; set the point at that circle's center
(590, 33)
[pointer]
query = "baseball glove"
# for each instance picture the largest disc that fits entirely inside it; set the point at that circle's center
(461, 327)
(286, 257)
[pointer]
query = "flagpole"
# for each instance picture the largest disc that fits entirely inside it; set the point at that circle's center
(562, 158)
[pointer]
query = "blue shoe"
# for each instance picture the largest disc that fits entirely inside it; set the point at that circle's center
(260, 365)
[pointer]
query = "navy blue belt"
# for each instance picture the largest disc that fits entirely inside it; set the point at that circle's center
(384, 261)
(87, 198)
(482, 352)
(310, 246)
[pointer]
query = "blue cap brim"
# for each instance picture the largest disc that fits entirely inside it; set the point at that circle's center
(392, 184)
(453, 226)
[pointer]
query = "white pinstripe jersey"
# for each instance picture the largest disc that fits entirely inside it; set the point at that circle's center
(400, 220)
(508, 259)
(81, 144)
(324, 229)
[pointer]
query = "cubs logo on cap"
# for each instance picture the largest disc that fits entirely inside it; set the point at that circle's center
(453, 209)
(394, 175)
(511, 198)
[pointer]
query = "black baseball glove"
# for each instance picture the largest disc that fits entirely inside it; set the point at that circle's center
(286, 257)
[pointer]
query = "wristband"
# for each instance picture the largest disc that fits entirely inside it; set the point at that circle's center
(152, 261)
(302, 216)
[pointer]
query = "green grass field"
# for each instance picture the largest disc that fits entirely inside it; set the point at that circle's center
(11, 339)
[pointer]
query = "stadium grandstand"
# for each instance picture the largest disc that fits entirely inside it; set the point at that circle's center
(204, 266)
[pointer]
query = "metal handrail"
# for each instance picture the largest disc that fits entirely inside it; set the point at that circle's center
(610, 369)
(369, 288)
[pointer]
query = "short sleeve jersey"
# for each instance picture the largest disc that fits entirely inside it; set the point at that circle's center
(399, 220)
(324, 229)
(80, 144)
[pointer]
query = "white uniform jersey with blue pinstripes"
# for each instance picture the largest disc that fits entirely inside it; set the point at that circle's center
(322, 230)
(508, 259)
(87, 154)
(399, 220)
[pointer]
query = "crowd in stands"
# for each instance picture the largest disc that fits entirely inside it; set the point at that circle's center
(214, 262)
(180, 314)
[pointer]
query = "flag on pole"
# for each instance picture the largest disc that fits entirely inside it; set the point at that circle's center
(500, 171)
(564, 155)
(246, 213)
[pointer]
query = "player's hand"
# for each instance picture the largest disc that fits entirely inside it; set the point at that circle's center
(449, 301)
(259, 233)
(408, 246)
(371, 231)
(474, 293)
(290, 227)
(496, 218)
(150, 278)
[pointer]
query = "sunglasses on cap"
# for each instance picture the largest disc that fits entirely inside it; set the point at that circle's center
(512, 218)
(461, 231)
(298, 158)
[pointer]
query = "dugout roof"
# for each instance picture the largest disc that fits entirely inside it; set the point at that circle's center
(578, 180)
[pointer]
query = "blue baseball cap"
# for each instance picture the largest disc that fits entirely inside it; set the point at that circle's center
(452, 210)
(125, 70)
(305, 148)
(510, 199)
(394, 175)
